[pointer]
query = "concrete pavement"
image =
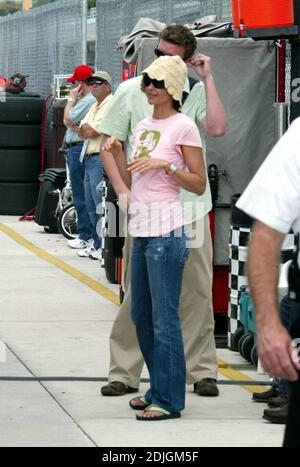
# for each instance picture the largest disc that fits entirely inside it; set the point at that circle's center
(57, 326)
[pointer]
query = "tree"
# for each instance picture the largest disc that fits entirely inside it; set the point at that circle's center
(8, 7)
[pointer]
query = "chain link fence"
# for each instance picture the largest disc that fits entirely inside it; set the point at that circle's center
(117, 18)
(42, 42)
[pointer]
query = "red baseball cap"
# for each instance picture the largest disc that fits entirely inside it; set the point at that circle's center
(81, 73)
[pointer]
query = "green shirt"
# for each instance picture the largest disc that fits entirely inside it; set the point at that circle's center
(130, 106)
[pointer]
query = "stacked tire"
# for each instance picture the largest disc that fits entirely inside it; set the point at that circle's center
(20, 153)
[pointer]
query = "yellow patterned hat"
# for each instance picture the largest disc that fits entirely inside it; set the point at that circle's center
(171, 70)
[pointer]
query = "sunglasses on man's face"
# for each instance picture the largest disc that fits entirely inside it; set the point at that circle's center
(96, 82)
(159, 53)
(156, 83)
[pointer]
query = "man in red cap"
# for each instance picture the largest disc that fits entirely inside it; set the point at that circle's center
(78, 105)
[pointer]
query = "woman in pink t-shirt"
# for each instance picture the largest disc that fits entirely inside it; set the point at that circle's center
(167, 156)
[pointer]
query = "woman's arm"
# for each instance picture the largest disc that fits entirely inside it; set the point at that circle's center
(115, 147)
(194, 180)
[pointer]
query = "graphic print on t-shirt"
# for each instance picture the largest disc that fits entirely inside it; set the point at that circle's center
(147, 142)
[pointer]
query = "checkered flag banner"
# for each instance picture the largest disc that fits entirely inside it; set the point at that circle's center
(238, 252)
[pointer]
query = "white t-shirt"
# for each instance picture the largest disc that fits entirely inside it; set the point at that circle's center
(273, 196)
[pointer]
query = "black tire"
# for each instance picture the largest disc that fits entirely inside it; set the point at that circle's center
(20, 136)
(240, 343)
(246, 346)
(21, 110)
(20, 165)
(254, 356)
(17, 199)
(67, 222)
(236, 338)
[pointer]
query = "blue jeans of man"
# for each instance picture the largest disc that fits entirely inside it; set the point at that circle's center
(157, 272)
(288, 314)
(76, 169)
(93, 176)
(292, 435)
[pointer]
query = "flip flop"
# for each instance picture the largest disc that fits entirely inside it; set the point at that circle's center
(140, 408)
(155, 408)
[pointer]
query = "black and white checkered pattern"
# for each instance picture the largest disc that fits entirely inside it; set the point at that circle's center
(238, 251)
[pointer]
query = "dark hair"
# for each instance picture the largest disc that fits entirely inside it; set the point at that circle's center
(180, 35)
(176, 105)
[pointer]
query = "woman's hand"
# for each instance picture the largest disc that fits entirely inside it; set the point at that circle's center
(113, 145)
(145, 164)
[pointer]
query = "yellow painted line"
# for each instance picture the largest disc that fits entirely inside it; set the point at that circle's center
(234, 375)
(81, 277)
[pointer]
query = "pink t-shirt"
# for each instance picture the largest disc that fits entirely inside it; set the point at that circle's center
(155, 208)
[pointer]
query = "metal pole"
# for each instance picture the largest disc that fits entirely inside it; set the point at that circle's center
(84, 31)
(281, 119)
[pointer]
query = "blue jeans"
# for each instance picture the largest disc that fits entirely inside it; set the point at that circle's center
(76, 169)
(289, 311)
(93, 176)
(157, 272)
(292, 435)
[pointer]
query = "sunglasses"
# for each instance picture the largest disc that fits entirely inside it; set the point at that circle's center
(157, 84)
(97, 82)
(159, 53)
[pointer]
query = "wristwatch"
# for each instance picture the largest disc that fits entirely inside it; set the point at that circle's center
(172, 169)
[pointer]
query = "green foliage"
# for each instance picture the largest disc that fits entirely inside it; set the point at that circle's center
(7, 7)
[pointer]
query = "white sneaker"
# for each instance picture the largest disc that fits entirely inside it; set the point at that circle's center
(78, 244)
(96, 254)
(86, 252)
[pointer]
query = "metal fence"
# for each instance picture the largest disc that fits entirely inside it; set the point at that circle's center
(41, 43)
(116, 18)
